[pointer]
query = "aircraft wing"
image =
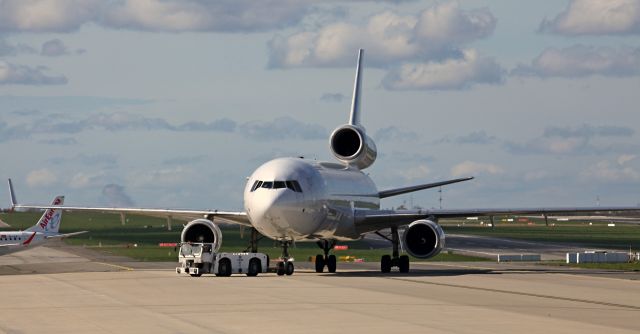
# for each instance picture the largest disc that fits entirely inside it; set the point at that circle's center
(64, 235)
(232, 217)
(373, 220)
(239, 218)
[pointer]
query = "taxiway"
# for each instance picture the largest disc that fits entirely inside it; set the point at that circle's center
(72, 292)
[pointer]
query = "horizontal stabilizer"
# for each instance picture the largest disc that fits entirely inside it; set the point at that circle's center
(400, 191)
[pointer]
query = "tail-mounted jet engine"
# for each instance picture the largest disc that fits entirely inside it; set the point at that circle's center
(350, 144)
(423, 239)
(202, 230)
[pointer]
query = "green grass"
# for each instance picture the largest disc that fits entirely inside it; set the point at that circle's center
(622, 236)
(140, 236)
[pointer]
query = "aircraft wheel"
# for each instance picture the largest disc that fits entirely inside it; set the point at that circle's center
(289, 268)
(254, 267)
(403, 264)
(319, 263)
(331, 263)
(280, 268)
(385, 263)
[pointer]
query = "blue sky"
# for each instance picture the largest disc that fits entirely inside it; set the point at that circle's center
(174, 103)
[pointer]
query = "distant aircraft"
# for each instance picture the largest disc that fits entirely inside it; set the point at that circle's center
(45, 230)
(294, 199)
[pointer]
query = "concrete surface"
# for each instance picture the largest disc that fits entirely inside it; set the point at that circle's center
(434, 298)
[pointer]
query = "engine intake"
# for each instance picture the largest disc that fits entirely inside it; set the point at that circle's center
(350, 144)
(423, 239)
(202, 230)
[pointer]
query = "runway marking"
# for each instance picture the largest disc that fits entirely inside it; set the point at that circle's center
(528, 294)
(115, 266)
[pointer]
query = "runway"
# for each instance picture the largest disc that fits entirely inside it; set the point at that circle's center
(434, 298)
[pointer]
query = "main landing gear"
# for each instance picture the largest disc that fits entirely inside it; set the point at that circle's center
(284, 266)
(387, 262)
(326, 260)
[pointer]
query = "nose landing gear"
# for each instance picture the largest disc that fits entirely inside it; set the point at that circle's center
(285, 266)
(326, 260)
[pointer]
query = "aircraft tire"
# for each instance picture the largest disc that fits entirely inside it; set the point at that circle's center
(385, 264)
(289, 268)
(332, 263)
(319, 263)
(280, 268)
(403, 264)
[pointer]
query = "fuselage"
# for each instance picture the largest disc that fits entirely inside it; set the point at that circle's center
(298, 199)
(15, 241)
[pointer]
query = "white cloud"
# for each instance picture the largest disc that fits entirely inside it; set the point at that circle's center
(282, 128)
(581, 61)
(608, 172)
(114, 195)
(416, 173)
(170, 176)
(83, 180)
(393, 133)
(199, 15)
(12, 74)
(449, 74)
(388, 38)
(46, 15)
(536, 175)
(625, 158)
(151, 15)
(41, 177)
(585, 139)
(8, 49)
(54, 48)
(596, 17)
(470, 168)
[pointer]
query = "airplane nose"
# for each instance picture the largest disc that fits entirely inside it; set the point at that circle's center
(268, 205)
(276, 213)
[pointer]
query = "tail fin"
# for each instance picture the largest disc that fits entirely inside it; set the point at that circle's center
(354, 119)
(50, 220)
(12, 195)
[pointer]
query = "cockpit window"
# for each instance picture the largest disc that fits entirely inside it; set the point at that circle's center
(256, 185)
(293, 185)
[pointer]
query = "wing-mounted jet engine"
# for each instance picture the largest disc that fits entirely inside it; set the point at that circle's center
(423, 239)
(202, 231)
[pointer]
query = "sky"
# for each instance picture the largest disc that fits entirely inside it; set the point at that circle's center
(173, 104)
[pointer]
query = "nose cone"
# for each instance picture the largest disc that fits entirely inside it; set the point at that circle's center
(278, 213)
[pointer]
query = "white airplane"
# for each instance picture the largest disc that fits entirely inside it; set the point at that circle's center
(294, 199)
(45, 230)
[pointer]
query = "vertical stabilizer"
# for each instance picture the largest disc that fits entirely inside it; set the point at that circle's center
(50, 220)
(12, 195)
(354, 119)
